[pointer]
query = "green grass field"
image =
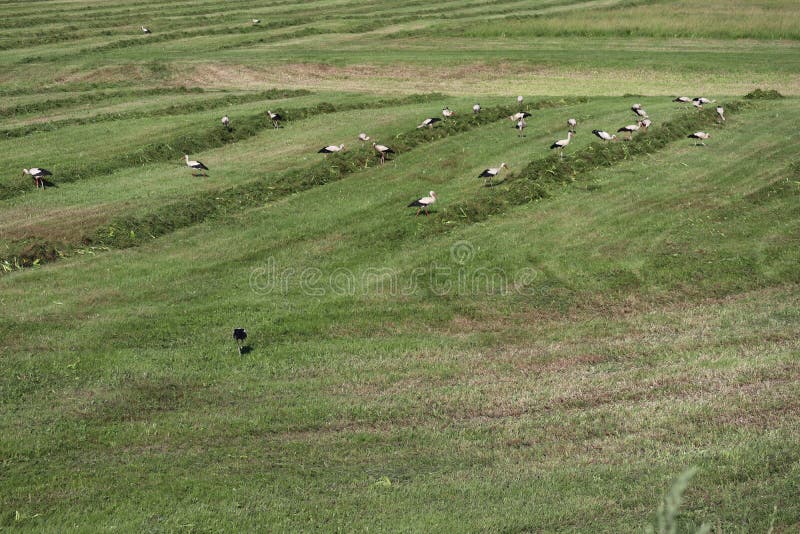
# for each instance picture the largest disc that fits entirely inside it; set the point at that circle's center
(547, 354)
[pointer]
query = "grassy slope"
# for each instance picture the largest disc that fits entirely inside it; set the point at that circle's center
(652, 325)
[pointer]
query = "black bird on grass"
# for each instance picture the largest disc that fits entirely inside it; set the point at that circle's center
(239, 335)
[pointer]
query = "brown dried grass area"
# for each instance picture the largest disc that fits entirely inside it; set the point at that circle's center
(475, 78)
(65, 224)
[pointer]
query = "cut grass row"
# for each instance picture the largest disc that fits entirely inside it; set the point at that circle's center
(173, 109)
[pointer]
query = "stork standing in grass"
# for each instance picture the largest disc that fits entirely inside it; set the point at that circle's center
(519, 115)
(38, 174)
(721, 113)
(330, 149)
(382, 150)
(605, 136)
(429, 122)
(521, 125)
(701, 136)
(572, 123)
(476, 109)
(256, 21)
(363, 137)
(276, 118)
(195, 166)
(561, 144)
(491, 173)
(146, 30)
(448, 113)
(226, 122)
(424, 203)
(645, 124)
(629, 129)
(519, 100)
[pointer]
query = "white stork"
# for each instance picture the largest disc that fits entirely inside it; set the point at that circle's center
(519, 115)
(256, 21)
(146, 30)
(572, 123)
(561, 144)
(226, 122)
(382, 150)
(519, 100)
(645, 124)
(447, 112)
(683, 99)
(476, 109)
(605, 136)
(276, 118)
(491, 173)
(629, 129)
(701, 101)
(639, 111)
(38, 174)
(721, 113)
(702, 136)
(363, 137)
(521, 125)
(330, 149)
(423, 203)
(195, 165)
(429, 122)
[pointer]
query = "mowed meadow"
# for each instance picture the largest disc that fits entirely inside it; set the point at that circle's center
(601, 342)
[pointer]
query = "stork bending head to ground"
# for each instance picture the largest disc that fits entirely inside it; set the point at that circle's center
(721, 113)
(639, 111)
(561, 144)
(256, 21)
(38, 174)
(423, 203)
(363, 137)
(476, 109)
(605, 136)
(195, 166)
(521, 125)
(572, 123)
(700, 101)
(226, 122)
(491, 173)
(702, 136)
(146, 30)
(629, 129)
(645, 124)
(519, 115)
(382, 150)
(330, 149)
(276, 118)
(429, 122)
(683, 99)
(447, 112)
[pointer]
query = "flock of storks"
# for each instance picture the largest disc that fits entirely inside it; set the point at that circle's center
(423, 204)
